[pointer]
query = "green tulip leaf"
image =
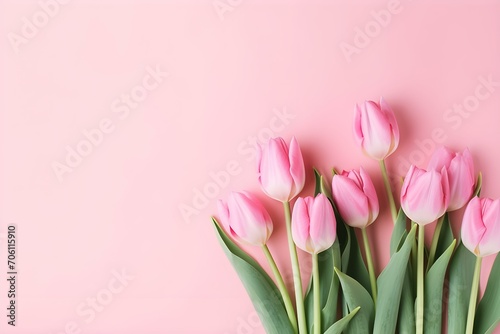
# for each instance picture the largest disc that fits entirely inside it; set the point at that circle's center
(321, 185)
(264, 294)
(406, 320)
(352, 260)
(406, 316)
(433, 298)
(341, 325)
(461, 271)
(399, 233)
(488, 310)
(390, 285)
(445, 237)
(479, 185)
(356, 295)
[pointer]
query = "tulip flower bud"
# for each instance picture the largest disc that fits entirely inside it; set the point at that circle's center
(245, 218)
(355, 197)
(460, 168)
(481, 226)
(376, 129)
(314, 227)
(425, 195)
(281, 169)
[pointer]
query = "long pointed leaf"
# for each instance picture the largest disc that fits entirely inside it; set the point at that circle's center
(461, 272)
(488, 310)
(263, 292)
(341, 325)
(390, 285)
(433, 298)
(356, 295)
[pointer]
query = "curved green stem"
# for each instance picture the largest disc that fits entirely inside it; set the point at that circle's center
(369, 261)
(420, 282)
(473, 296)
(388, 189)
(297, 280)
(317, 300)
(435, 240)
(282, 287)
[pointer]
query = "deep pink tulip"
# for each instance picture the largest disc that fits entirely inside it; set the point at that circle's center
(481, 226)
(376, 129)
(314, 227)
(425, 195)
(245, 218)
(281, 169)
(460, 168)
(355, 197)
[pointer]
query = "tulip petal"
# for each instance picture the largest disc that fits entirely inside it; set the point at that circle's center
(274, 170)
(300, 224)
(376, 131)
(371, 194)
(441, 157)
(350, 200)
(323, 224)
(384, 106)
(461, 182)
(490, 242)
(358, 131)
(297, 169)
(473, 228)
(224, 215)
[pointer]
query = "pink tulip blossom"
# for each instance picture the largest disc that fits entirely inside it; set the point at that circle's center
(460, 168)
(245, 218)
(355, 197)
(425, 195)
(281, 169)
(481, 226)
(376, 129)
(313, 224)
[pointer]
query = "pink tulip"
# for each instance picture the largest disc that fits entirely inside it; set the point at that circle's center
(355, 197)
(376, 129)
(245, 218)
(481, 226)
(460, 168)
(425, 195)
(281, 169)
(313, 224)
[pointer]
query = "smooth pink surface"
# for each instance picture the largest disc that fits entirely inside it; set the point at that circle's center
(267, 68)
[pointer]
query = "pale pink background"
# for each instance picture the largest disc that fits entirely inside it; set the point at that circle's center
(119, 209)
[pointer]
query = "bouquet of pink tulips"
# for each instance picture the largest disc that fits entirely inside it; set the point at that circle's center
(419, 284)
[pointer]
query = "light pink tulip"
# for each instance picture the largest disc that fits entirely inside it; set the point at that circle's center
(481, 226)
(281, 169)
(245, 218)
(376, 129)
(314, 227)
(425, 195)
(355, 197)
(460, 168)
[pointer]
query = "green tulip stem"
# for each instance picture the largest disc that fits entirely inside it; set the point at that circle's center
(473, 296)
(388, 189)
(369, 261)
(420, 282)
(297, 280)
(435, 239)
(317, 300)
(282, 287)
